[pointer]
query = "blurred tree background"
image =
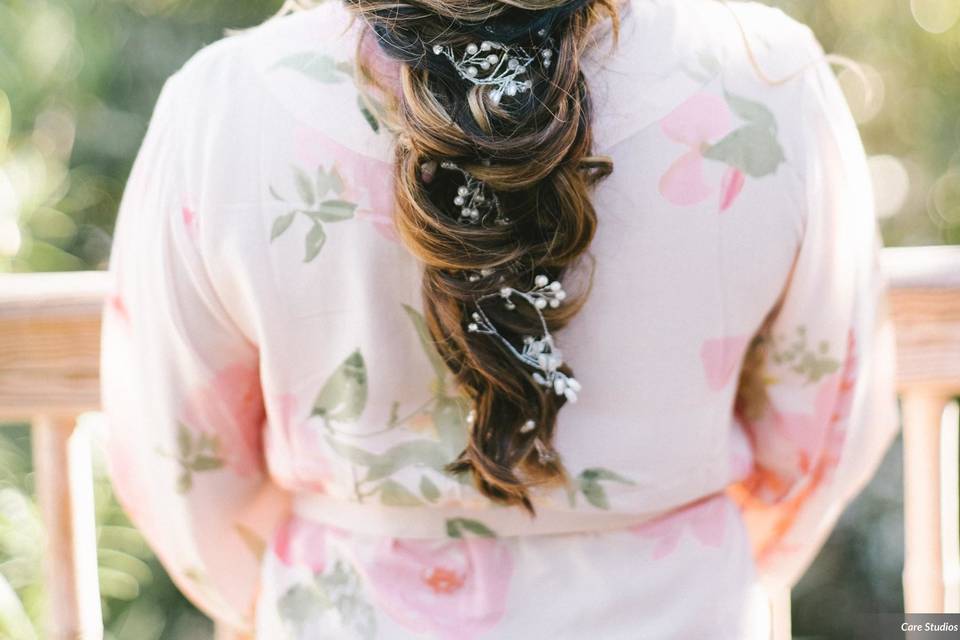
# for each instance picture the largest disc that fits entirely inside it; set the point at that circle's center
(78, 80)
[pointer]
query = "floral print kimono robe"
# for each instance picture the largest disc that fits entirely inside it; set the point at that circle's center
(279, 421)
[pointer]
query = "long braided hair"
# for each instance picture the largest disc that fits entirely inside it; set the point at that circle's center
(532, 152)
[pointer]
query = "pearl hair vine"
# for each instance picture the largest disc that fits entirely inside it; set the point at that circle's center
(497, 65)
(475, 199)
(537, 352)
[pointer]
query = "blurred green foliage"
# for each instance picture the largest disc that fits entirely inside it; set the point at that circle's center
(78, 81)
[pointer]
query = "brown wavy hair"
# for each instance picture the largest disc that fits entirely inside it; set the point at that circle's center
(533, 150)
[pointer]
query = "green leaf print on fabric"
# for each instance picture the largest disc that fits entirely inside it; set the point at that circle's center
(588, 482)
(801, 359)
(368, 115)
(315, 206)
(344, 396)
(465, 527)
(314, 242)
(751, 111)
(316, 66)
(429, 490)
(196, 453)
(323, 68)
(426, 341)
(394, 494)
(443, 417)
(406, 454)
(753, 148)
(281, 224)
(334, 599)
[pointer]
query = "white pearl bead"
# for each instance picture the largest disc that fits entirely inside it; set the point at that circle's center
(472, 48)
(472, 71)
(511, 89)
(546, 53)
(437, 49)
(520, 68)
(528, 426)
(463, 191)
(512, 63)
(541, 280)
(458, 201)
(505, 292)
(555, 285)
(472, 326)
(554, 303)
(492, 58)
(540, 303)
(485, 65)
(485, 45)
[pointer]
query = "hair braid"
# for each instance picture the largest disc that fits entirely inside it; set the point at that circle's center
(533, 151)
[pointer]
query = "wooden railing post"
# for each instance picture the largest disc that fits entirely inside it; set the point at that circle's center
(923, 585)
(950, 506)
(780, 615)
(64, 488)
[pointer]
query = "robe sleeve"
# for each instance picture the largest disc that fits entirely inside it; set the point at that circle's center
(180, 387)
(826, 362)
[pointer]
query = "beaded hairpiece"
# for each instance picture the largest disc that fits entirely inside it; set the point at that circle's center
(501, 66)
(538, 352)
(475, 199)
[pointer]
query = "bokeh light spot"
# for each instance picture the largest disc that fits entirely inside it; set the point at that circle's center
(891, 184)
(935, 16)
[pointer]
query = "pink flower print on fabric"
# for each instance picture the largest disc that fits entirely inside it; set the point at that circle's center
(705, 519)
(229, 407)
(452, 590)
(116, 307)
(699, 122)
(720, 357)
(188, 215)
(768, 514)
(299, 542)
(821, 432)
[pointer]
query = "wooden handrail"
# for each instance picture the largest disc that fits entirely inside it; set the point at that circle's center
(49, 361)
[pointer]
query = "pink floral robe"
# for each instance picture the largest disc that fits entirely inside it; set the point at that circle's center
(279, 422)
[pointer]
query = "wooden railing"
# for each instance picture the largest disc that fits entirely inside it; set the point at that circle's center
(49, 357)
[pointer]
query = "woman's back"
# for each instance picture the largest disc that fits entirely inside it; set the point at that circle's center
(266, 349)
